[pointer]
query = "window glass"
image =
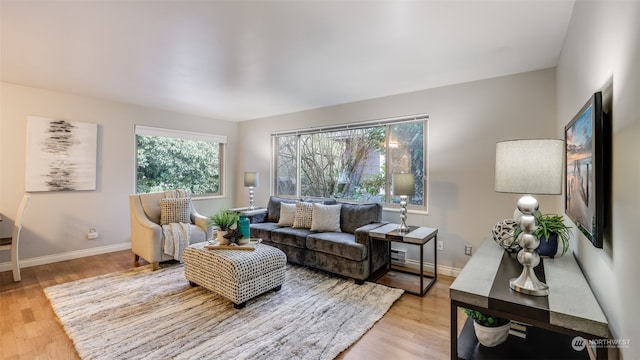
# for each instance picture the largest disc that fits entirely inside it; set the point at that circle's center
(169, 159)
(351, 163)
(286, 165)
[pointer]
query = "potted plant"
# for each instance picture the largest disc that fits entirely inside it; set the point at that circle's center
(552, 233)
(223, 220)
(490, 330)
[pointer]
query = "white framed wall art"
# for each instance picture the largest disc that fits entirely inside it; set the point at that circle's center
(61, 155)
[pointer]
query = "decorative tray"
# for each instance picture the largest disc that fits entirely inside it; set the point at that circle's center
(249, 246)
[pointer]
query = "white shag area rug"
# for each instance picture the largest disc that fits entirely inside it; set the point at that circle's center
(144, 314)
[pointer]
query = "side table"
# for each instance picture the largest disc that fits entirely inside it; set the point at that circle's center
(256, 215)
(418, 236)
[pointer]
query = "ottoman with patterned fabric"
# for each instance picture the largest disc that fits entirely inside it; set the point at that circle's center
(238, 275)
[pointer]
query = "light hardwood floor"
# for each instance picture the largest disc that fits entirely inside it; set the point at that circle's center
(414, 328)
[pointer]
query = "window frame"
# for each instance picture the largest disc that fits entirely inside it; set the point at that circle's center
(387, 204)
(221, 140)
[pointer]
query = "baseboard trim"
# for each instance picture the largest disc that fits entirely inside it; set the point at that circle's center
(442, 270)
(48, 259)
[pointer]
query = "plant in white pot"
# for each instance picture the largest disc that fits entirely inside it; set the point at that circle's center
(224, 220)
(490, 330)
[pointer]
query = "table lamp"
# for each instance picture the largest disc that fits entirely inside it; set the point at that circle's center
(529, 167)
(251, 181)
(403, 185)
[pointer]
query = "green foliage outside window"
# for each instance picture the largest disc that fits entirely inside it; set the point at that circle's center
(172, 163)
(351, 163)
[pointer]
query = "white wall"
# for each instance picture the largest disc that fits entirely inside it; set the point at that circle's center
(602, 52)
(466, 121)
(56, 223)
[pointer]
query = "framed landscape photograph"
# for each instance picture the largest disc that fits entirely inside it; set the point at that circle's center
(586, 164)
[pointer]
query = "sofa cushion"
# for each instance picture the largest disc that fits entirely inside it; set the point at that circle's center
(273, 207)
(304, 215)
(287, 214)
(339, 244)
(353, 216)
(175, 210)
(263, 230)
(290, 236)
(326, 218)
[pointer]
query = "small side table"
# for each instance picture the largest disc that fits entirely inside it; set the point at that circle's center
(419, 236)
(256, 215)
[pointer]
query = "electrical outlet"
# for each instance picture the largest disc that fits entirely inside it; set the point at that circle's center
(440, 245)
(467, 250)
(92, 234)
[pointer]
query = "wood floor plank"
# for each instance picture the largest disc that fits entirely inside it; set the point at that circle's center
(414, 328)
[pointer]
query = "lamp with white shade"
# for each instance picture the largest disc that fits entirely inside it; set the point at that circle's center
(532, 166)
(251, 181)
(403, 185)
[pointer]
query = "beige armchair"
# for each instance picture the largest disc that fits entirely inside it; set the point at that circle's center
(146, 231)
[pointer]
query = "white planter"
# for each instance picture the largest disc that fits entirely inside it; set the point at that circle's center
(491, 336)
(221, 239)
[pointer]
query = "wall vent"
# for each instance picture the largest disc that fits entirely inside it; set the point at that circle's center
(398, 257)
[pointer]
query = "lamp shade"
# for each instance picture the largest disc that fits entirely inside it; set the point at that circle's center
(251, 179)
(403, 184)
(531, 166)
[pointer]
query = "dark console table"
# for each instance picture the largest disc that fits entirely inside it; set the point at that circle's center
(570, 309)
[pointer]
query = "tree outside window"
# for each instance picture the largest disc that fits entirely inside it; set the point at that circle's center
(168, 159)
(354, 164)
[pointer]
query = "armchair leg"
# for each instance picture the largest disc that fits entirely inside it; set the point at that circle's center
(155, 266)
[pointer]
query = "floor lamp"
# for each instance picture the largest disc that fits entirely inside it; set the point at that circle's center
(529, 167)
(403, 185)
(251, 181)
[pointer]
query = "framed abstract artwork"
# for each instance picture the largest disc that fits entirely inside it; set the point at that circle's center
(61, 155)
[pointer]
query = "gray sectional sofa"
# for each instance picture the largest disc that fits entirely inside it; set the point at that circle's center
(349, 253)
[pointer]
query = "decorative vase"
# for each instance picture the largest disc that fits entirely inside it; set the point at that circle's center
(221, 239)
(491, 336)
(244, 227)
(503, 234)
(243, 241)
(548, 247)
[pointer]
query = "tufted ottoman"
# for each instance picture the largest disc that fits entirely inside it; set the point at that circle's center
(238, 275)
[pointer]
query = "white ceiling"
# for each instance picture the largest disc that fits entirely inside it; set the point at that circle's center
(246, 60)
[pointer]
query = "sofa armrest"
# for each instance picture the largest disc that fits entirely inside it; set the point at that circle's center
(203, 223)
(362, 233)
(377, 251)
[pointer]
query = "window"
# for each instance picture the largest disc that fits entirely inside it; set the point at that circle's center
(353, 162)
(173, 159)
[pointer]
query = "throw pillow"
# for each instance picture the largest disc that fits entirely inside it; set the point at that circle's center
(304, 214)
(175, 210)
(287, 214)
(326, 218)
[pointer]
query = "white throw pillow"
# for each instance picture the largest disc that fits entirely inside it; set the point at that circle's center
(326, 218)
(287, 214)
(304, 214)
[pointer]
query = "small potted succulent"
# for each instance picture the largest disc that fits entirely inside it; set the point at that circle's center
(490, 330)
(552, 232)
(224, 220)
